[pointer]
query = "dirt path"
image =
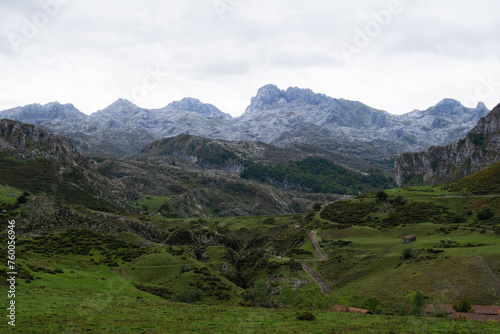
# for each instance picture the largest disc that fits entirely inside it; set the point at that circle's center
(325, 288)
(321, 254)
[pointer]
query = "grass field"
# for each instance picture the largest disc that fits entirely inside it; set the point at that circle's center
(100, 301)
(82, 281)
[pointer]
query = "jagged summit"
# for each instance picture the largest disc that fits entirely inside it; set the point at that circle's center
(194, 105)
(489, 123)
(271, 97)
(50, 113)
(294, 116)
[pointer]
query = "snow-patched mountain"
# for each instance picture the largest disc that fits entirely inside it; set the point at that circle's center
(283, 118)
(299, 115)
(122, 128)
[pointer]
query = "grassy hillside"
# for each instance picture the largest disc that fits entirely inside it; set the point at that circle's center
(456, 252)
(63, 290)
(486, 181)
(237, 274)
(318, 175)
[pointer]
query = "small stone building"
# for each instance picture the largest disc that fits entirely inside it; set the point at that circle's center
(408, 239)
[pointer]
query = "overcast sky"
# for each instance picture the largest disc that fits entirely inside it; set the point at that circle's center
(395, 55)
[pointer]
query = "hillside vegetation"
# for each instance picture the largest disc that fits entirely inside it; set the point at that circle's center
(87, 261)
(127, 266)
(317, 175)
(486, 181)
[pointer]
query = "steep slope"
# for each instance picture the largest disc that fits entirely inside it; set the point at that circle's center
(479, 149)
(230, 155)
(486, 181)
(190, 191)
(42, 163)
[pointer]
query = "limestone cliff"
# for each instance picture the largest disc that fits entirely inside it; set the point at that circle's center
(32, 159)
(479, 149)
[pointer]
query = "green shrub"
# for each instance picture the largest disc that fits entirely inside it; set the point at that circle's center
(457, 219)
(307, 316)
(190, 296)
(484, 214)
(413, 303)
(463, 305)
(381, 195)
(399, 200)
(22, 199)
(373, 304)
(419, 304)
(269, 221)
(439, 312)
(407, 253)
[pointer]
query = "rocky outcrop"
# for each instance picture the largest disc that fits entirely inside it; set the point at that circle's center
(225, 155)
(28, 141)
(479, 149)
(32, 159)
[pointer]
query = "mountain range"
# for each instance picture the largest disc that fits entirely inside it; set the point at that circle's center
(283, 118)
(479, 149)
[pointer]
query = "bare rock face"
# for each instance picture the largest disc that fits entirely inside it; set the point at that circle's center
(284, 118)
(479, 149)
(28, 141)
(64, 168)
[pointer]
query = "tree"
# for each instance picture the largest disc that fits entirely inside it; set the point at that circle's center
(407, 253)
(399, 200)
(419, 304)
(190, 296)
(166, 211)
(413, 303)
(463, 305)
(381, 195)
(484, 214)
(22, 199)
(457, 219)
(373, 304)
(317, 207)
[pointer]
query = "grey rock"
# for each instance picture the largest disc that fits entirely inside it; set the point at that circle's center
(284, 118)
(479, 149)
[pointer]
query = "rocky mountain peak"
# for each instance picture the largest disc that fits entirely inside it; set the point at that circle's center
(194, 105)
(267, 96)
(39, 114)
(489, 123)
(479, 149)
(481, 105)
(448, 107)
(305, 95)
(119, 107)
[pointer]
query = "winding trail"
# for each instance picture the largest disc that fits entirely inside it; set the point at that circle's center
(321, 254)
(325, 288)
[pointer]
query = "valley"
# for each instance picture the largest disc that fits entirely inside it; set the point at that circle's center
(253, 236)
(167, 264)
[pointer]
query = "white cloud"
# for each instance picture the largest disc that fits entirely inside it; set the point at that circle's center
(91, 52)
